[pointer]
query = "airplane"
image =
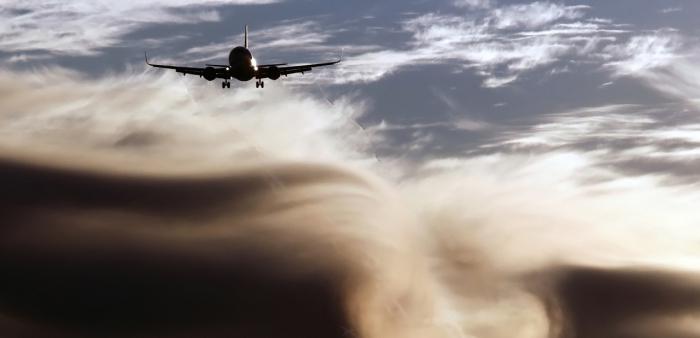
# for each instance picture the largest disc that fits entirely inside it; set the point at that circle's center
(243, 67)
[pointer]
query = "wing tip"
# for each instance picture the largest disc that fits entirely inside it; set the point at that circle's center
(340, 58)
(145, 56)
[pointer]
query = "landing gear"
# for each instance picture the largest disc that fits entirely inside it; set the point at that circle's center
(225, 84)
(259, 84)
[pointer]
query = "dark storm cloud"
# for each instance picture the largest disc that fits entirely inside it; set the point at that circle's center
(140, 139)
(597, 303)
(274, 251)
(91, 244)
(86, 253)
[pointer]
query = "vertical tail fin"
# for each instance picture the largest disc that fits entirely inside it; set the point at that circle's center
(245, 37)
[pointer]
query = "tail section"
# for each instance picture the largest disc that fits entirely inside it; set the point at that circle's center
(245, 37)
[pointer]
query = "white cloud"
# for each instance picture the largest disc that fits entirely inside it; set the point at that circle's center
(474, 3)
(18, 58)
(497, 45)
(501, 45)
(534, 14)
(83, 28)
(371, 66)
(671, 10)
(664, 60)
(613, 122)
(544, 201)
(644, 53)
(184, 120)
(633, 140)
(680, 79)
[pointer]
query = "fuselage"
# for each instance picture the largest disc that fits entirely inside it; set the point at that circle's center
(243, 65)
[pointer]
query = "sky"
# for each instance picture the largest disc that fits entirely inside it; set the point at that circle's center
(527, 135)
(440, 79)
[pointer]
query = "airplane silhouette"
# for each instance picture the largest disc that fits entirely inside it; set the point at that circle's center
(243, 67)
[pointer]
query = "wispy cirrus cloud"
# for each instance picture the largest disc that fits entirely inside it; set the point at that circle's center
(534, 14)
(83, 28)
(645, 52)
(664, 60)
(474, 3)
(636, 140)
(500, 45)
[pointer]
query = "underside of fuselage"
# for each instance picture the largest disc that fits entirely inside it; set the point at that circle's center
(242, 64)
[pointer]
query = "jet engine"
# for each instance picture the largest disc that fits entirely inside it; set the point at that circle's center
(209, 73)
(273, 73)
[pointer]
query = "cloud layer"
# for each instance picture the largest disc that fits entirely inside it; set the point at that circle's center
(199, 181)
(503, 43)
(84, 28)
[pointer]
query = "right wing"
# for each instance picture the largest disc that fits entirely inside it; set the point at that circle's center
(219, 71)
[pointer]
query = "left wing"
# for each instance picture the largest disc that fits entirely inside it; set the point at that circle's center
(274, 71)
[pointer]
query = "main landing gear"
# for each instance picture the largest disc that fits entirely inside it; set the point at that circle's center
(259, 84)
(226, 84)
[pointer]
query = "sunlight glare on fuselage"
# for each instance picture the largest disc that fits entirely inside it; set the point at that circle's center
(254, 63)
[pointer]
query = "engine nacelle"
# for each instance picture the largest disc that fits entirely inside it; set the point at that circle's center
(273, 73)
(209, 73)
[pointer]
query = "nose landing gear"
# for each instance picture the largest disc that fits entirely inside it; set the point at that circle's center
(259, 84)
(226, 84)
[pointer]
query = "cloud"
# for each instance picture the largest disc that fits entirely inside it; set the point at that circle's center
(516, 212)
(535, 14)
(486, 45)
(644, 53)
(183, 192)
(501, 44)
(601, 303)
(671, 10)
(89, 111)
(634, 140)
(473, 3)
(663, 61)
(171, 254)
(496, 45)
(189, 194)
(83, 28)
(19, 58)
